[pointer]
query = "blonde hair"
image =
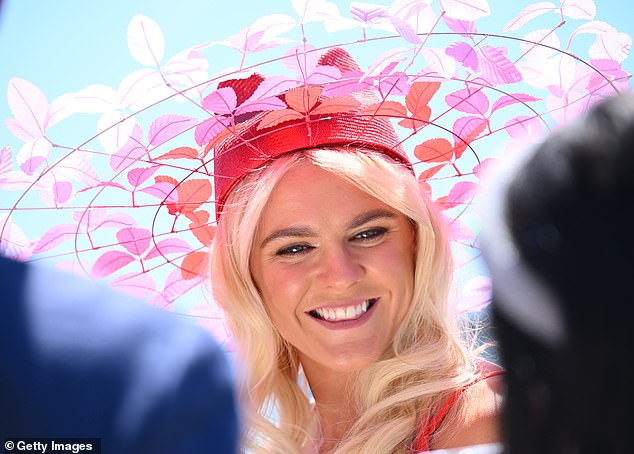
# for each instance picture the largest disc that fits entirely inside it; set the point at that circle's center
(426, 361)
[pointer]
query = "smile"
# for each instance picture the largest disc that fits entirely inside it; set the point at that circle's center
(338, 314)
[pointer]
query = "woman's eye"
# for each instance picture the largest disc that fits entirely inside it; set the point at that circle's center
(370, 234)
(294, 250)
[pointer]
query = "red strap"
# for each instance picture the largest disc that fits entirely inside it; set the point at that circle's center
(429, 426)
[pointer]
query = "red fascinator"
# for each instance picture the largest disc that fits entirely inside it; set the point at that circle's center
(308, 119)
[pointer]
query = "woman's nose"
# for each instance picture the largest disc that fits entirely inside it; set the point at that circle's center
(339, 268)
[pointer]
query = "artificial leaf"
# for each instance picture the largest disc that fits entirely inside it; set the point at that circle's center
(168, 126)
(465, 28)
(203, 232)
(145, 40)
(434, 150)
(192, 194)
(439, 62)
(62, 191)
(30, 108)
(390, 109)
(510, 99)
(139, 285)
(495, 67)
(55, 236)
(277, 117)
(461, 193)
(466, 10)
(32, 154)
(209, 129)
(194, 265)
(137, 177)
(466, 130)
(168, 246)
(135, 240)
(464, 54)
(5, 159)
(109, 262)
(130, 153)
(579, 9)
(179, 153)
(336, 105)
(469, 100)
(527, 14)
(417, 100)
(303, 99)
(222, 101)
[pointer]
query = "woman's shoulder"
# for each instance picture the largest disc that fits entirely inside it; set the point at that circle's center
(476, 420)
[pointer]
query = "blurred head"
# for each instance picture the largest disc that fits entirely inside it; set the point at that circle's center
(560, 252)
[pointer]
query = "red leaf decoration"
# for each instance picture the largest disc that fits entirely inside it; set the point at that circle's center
(180, 153)
(336, 105)
(385, 108)
(279, 116)
(110, 262)
(194, 265)
(192, 194)
(434, 150)
(303, 99)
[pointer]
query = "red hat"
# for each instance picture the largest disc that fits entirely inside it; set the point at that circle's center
(325, 122)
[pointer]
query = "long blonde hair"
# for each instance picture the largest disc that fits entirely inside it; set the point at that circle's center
(426, 361)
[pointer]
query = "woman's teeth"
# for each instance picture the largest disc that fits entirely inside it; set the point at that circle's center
(344, 313)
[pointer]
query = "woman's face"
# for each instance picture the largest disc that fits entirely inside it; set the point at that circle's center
(335, 268)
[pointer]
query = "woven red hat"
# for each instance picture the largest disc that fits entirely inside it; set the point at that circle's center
(315, 120)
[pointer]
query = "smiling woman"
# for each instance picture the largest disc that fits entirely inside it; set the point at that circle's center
(333, 267)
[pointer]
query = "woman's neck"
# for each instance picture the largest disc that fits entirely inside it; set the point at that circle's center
(334, 402)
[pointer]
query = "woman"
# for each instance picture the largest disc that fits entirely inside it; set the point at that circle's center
(333, 268)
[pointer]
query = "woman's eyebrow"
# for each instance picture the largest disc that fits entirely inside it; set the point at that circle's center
(297, 232)
(371, 215)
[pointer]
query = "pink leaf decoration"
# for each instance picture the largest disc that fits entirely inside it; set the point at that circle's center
(461, 193)
(138, 285)
(464, 54)
(527, 14)
(62, 191)
(271, 87)
(32, 154)
(515, 98)
(109, 262)
(168, 246)
(134, 240)
(167, 127)
(13, 242)
(30, 108)
(130, 153)
(524, 128)
(209, 129)
(390, 58)
(176, 286)
(145, 40)
(465, 28)
(116, 220)
(469, 100)
(6, 164)
(350, 82)
(95, 99)
(495, 67)
(466, 10)
(579, 9)
(466, 130)
(137, 177)
(405, 30)
(222, 101)
(262, 34)
(163, 191)
(439, 61)
(365, 12)
(396, 84)
(55, 236)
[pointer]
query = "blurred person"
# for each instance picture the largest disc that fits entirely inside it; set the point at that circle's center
(559, 247)
(81, 361)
